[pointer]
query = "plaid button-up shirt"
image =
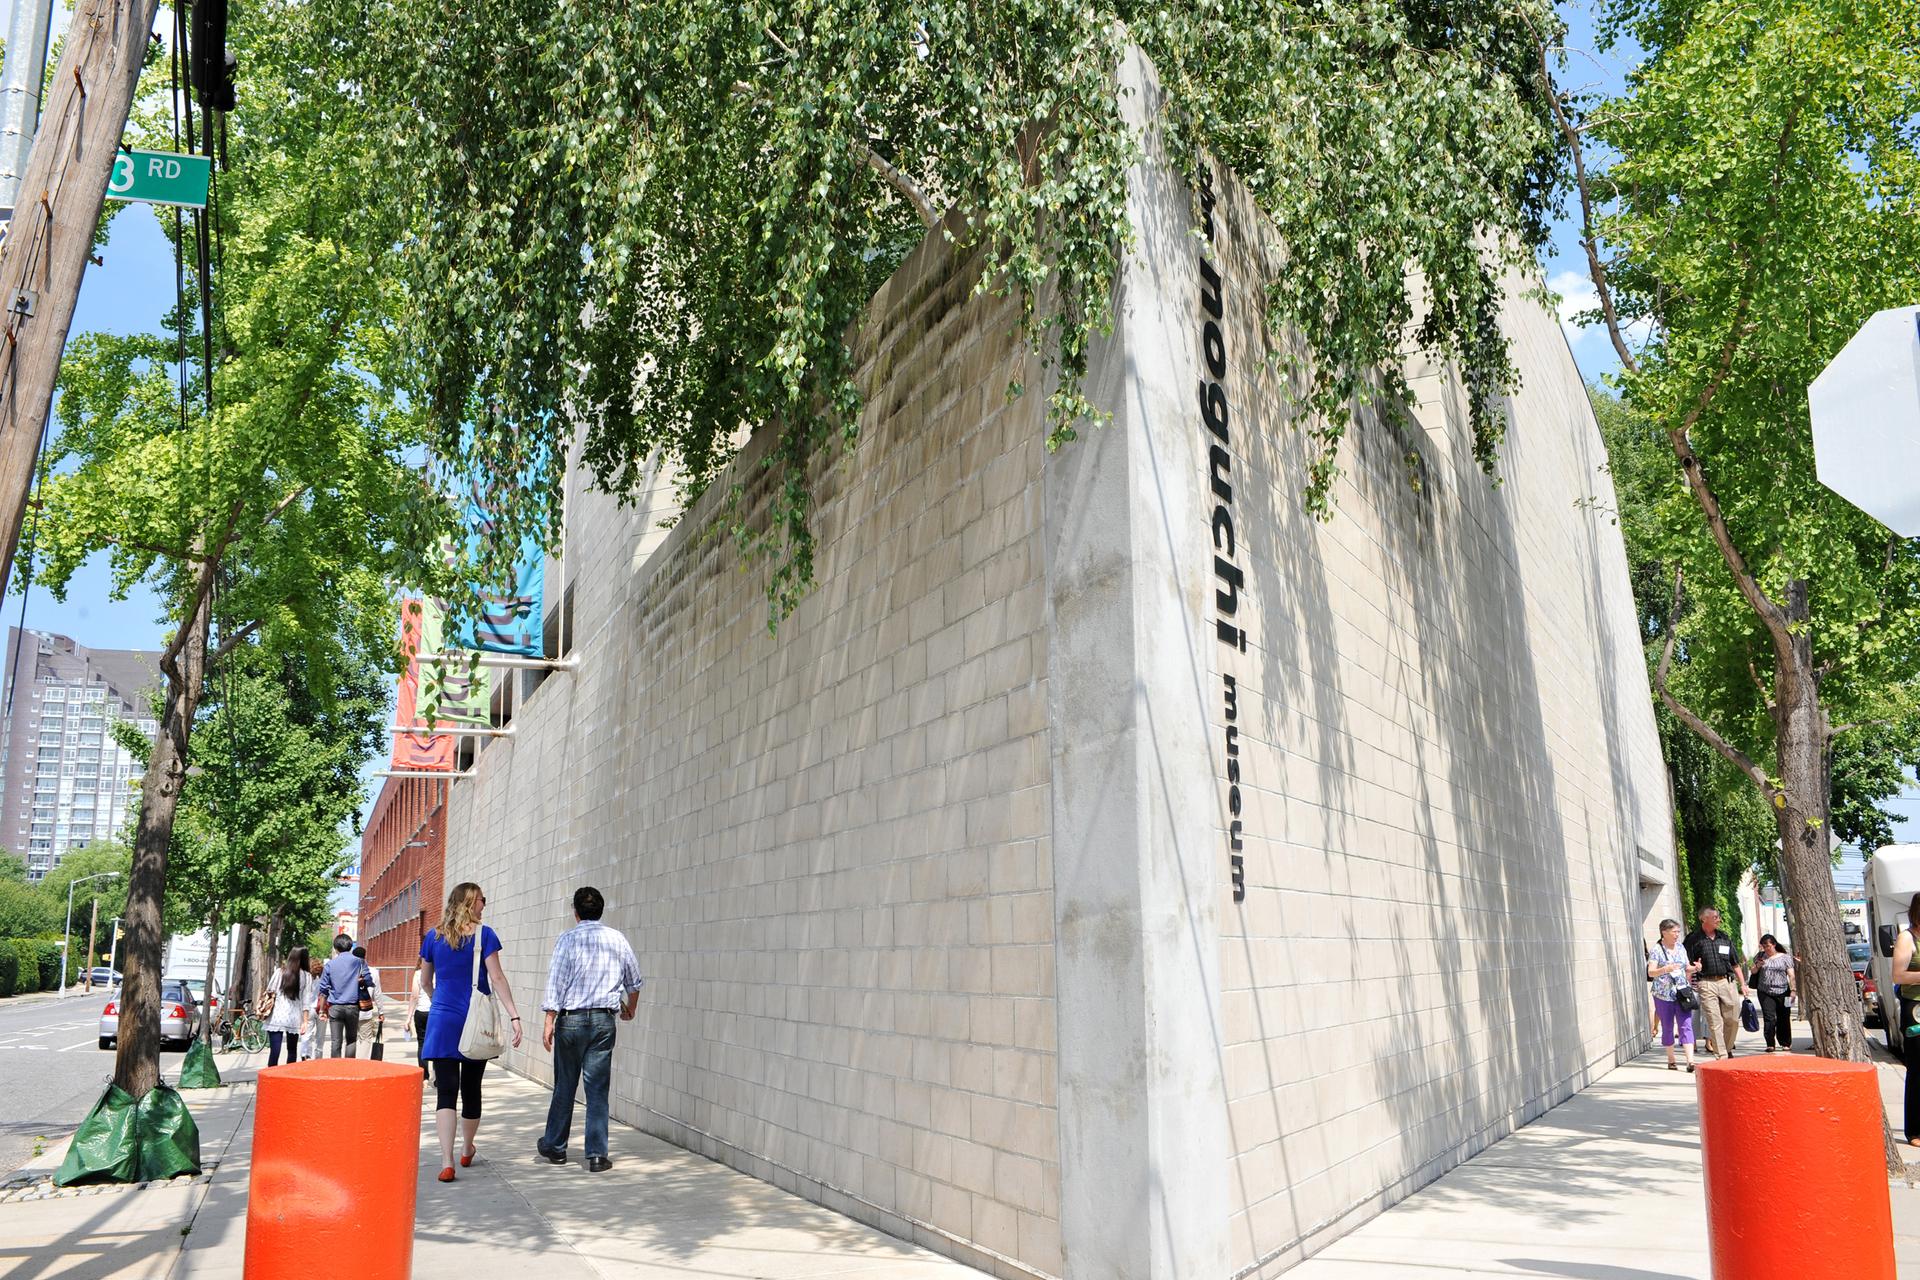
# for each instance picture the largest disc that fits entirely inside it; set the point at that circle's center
(592, 968)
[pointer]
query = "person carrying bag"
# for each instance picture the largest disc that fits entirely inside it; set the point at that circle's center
(464, 1027)
(483, 1035)
(1674, 999)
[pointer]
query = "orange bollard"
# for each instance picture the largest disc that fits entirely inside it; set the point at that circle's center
(336, 1154)
(1796, 1181)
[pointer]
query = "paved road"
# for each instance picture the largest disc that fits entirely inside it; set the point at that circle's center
(51, 1070)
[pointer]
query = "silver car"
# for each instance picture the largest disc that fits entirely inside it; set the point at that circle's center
(178, 1016)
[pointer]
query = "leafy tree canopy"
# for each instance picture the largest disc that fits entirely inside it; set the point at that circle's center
(659, 219)
(91, 859)
(1721, 825)
(1748, 201)
(25, 912)
(1760, 205)
(266, 824)
(274, 505)
(295, 496)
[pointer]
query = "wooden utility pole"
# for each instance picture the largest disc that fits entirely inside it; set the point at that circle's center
(51, 238)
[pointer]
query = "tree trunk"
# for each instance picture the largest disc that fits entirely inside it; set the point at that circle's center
(213, 954)
(1823, 974)
(240, 965)
(136, 1066)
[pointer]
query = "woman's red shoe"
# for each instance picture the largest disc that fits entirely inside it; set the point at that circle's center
(446, 1174)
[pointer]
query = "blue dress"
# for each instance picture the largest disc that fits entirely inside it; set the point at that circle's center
(452, 990)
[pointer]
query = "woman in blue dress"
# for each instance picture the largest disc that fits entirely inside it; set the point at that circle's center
(446, 977)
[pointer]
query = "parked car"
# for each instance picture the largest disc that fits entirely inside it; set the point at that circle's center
(177, 1013)
(101, 976)
(198, 988)
(1860, 957)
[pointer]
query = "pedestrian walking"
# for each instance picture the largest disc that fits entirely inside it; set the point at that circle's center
(1667, 965)
(290, 1000)
(340, 990)
(1773, 981)
(370, 994)
(1719, 976)
(448, 955)
(313, 1040)
(419, 1017)
(592, 974)
(1906, 1004)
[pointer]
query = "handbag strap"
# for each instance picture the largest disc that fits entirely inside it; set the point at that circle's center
(478, 960)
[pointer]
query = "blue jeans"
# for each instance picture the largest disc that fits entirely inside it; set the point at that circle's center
(582, 1049)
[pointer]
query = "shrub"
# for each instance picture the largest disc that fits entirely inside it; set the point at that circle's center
(26, 968)
(50, 953)
(9, 969)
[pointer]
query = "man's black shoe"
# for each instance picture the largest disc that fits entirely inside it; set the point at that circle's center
(598, 1164)
(549, 1155)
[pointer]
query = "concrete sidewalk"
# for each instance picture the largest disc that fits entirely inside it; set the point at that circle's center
(1606, 1186)
(659, 1212)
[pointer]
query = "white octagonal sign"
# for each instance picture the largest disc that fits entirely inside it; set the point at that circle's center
(1866, 420)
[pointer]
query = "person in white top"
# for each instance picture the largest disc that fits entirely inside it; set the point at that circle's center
(292, 1001)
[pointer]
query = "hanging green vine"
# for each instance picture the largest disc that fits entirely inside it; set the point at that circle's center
(657, 220)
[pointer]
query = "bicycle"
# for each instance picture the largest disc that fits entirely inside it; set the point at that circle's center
(245, 1029)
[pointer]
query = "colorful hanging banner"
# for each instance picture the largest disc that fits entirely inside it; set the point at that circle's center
(444, 693)
(507, 619)
(456, 689)
(415, 750)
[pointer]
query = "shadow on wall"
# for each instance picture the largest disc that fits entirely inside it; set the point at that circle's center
(1428, 824)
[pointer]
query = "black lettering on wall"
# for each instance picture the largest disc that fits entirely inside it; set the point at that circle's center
(1220, 466)
(1229, 599)
(1215, 417)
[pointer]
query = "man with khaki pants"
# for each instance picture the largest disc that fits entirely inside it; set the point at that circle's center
(1719, 979)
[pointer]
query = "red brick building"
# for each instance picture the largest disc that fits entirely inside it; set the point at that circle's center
(403, 860)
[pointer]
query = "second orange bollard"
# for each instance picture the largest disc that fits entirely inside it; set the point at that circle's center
(336, 1154)
(1808, 1128)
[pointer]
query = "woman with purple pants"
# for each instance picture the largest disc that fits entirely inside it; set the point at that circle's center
(1667, 966)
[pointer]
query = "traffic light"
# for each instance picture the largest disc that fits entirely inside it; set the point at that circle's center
(210, 65)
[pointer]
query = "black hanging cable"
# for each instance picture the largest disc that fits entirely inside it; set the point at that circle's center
(179, 226)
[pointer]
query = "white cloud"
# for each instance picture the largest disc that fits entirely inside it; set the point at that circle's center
(1576, 294)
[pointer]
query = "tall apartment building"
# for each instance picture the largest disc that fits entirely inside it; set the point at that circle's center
(64, 781)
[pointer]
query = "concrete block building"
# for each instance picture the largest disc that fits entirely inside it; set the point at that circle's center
(1109, 870)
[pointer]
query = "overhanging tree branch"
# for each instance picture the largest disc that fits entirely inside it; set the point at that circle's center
(1595, 268)
(1770, 613)
(1708, 734)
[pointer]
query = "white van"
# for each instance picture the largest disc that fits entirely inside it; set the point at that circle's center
(1893, 877)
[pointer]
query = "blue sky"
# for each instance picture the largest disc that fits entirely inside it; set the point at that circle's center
(130, 291)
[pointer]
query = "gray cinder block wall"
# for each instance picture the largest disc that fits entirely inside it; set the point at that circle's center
(937, 888)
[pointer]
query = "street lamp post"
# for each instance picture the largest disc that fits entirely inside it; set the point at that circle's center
(68, 951)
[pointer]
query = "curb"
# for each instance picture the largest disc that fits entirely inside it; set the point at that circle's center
(34, 1180)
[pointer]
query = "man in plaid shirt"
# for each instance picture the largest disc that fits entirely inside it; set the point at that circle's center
(592, 974)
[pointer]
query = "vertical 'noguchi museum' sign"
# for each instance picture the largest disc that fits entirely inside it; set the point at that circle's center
(1230, 580)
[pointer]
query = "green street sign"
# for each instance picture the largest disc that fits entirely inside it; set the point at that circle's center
(160, 177)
